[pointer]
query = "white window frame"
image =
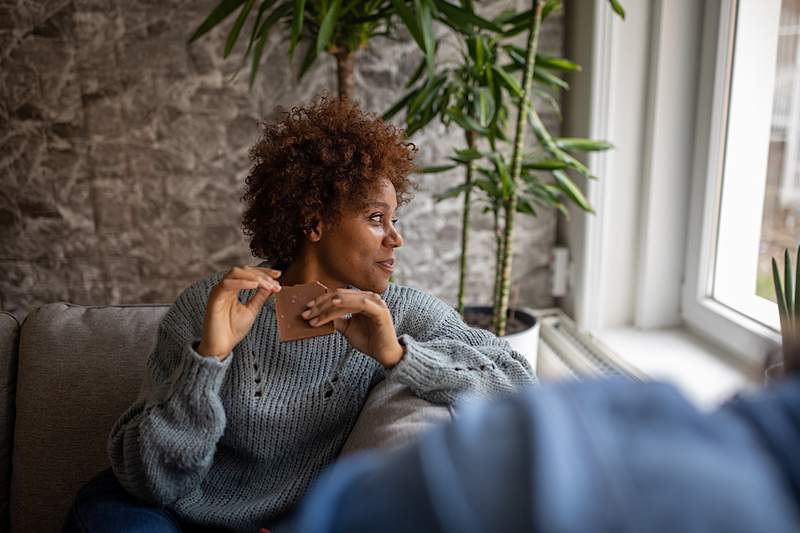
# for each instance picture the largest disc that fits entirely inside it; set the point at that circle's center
(655, 86)
(713, 206)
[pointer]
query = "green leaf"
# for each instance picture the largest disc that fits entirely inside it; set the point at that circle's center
(400, 104)
(464, 19)
(479, 47)
(425, 22)
(584, 145)
(556, 63)
(523, 18)
(617, 7)
(435, 169)
(263, 34)
(466, 155)
(776, 278)
(796, 311)
(787, 281)
(516, 54)
(547, 78)
(220, 13)
(426, 95)
(525, 207)
(297, 24)
(452, 192)
(504, 16)
(488, 187)
(543, 164)
(465, 121)
(233, 36)
(328, 25)
(254, 33)
(486, 108)
(411, 23)
(417, 73)
(571, 190)
(549, 7)
(509, 81)
(502, 171)
(549, 144)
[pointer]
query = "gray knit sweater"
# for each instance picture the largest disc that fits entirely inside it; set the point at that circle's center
(236, 443)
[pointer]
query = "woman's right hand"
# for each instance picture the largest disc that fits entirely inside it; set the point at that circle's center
(227, 320)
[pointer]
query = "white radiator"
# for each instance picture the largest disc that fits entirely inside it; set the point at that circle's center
(567, 352)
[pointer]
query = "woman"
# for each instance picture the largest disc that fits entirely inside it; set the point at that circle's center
(232, 425)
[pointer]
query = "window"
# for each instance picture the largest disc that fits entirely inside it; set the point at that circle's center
(746, 195)
(702, 103)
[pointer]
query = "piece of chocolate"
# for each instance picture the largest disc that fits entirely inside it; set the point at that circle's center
(290, 302)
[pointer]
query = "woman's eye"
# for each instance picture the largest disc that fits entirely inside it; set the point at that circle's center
(395, 221)
(378, 217)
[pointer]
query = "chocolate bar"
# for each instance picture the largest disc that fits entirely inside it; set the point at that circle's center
(290, 302)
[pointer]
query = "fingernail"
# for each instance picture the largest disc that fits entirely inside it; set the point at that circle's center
(314, 321)
(309, 304)
(305, 314)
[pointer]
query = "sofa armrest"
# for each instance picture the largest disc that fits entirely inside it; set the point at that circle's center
(391, 417)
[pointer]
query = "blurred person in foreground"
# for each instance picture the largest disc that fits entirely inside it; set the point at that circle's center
(603, 455)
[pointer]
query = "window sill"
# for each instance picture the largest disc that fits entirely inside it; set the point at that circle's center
(699, 369)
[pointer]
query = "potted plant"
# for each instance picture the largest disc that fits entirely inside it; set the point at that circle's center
(338, 27)
(474, 96)
(789, 312)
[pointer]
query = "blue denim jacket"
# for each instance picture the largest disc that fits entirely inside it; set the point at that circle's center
(607, 455)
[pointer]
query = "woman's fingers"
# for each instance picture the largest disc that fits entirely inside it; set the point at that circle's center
(270, 272)
(266, 275)
(335, 305)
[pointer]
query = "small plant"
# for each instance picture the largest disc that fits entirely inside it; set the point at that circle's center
(789, 309)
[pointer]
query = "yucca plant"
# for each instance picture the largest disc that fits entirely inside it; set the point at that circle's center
(475, 95)
(789, 309)
(337, 27)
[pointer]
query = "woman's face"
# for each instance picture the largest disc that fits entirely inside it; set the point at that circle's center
(358, 248)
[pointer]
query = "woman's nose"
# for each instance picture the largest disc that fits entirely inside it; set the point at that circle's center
(395, 239)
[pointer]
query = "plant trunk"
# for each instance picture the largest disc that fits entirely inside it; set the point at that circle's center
(462, 265)
(501, 310)
(345, 65)
(498, 259)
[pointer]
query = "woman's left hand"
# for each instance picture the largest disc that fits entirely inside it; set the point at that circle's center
(370, 330)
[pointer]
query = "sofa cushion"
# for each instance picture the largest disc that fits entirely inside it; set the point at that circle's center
(79, 368)
(9, 337)
(393, 416)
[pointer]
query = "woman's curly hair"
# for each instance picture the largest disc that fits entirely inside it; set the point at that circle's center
(315, 163)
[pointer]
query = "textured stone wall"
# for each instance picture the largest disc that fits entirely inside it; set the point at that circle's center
(123, 153)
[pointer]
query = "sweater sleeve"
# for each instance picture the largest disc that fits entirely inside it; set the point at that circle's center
(164, 444)
(444, 357)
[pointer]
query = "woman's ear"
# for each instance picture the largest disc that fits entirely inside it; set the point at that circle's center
(313, 231)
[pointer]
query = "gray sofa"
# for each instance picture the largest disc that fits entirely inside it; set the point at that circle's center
(68, 372)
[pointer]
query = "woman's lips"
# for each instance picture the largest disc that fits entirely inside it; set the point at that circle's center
(388, 266)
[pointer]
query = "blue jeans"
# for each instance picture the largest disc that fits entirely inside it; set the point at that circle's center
(102, 505)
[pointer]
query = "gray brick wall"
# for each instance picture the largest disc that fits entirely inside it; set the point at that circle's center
(123, 153)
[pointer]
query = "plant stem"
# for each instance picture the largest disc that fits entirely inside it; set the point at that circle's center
(345, 64)
(462, 266)
(501, 310)
(498, 239)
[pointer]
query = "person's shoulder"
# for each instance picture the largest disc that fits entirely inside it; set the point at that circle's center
(404, 299)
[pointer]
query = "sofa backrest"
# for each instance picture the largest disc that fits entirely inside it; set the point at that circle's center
(79, 368)
(9, 338)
